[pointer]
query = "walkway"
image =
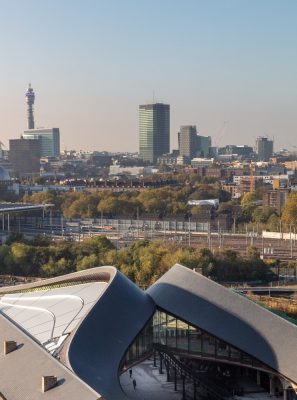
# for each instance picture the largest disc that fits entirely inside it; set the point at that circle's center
(150, 385)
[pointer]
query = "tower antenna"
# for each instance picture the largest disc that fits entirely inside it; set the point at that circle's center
(30, 98)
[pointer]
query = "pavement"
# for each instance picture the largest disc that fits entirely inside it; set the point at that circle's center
(150, 385)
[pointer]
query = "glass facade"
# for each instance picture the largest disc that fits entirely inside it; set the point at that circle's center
(49, 139)
(154, 127)
(141, 347)
(179, 337)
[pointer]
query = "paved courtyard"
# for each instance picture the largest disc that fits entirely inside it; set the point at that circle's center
(150, 385)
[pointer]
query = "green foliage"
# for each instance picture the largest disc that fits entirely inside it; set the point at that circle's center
(207, 191)
(262, 214)
(228, 266)
(55, 268)
(247, 212)
(160, 202)
(273, 223)
(143, 262)
(248, 198)
(86, 262)
(289, 213)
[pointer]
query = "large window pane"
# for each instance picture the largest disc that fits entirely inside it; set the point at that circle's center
(182, 335)
(195, 343)
(222, 349)
(171, 331)
(245, 358)
(156, 327)
(235, 354)
(162, 328)
(208, 344)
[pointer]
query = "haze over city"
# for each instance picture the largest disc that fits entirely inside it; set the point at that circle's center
(228, 67)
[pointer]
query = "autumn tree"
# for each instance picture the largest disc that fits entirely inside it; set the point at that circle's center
(289, 213)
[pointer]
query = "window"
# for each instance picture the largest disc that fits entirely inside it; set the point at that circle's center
(171, 331)
(208, 344)
(182, 335)
(195, 342)
(222, 349)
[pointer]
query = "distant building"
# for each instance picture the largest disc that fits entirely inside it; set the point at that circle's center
(244, 151)
(24, 155)
(203, 146)
(4, 174)
(154, 131)
(116, 170)
(192, 145)
(275, 199)
(292, 165)
(233, 189)
(167, 159)
(264, 148)
(49, 140)
(187, 141)
(183, 160)
(202, 162)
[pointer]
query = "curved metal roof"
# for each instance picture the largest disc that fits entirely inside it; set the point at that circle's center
(230, 317)
(100, 338)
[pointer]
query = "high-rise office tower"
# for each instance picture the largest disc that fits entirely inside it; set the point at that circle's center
(187, 141)
(30, 98)
(264, 148)
(154, 131)
(49, 140)
(192, 145)
(203, 146)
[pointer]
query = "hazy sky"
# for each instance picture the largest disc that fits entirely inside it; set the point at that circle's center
(227, 66)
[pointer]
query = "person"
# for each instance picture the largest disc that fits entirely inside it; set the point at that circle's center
(130, 373)
(134, 384)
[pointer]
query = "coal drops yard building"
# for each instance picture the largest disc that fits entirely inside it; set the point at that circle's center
(71, 337)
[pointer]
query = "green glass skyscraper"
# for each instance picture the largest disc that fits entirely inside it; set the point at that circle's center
(154, 131)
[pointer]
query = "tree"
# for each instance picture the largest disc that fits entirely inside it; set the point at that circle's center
(273, 223)
(253, 253)
(289, 213)
(248, 198)
(22, 258)
(55, 268)
(5, 259)
(49, 197)
(196, 210)
(15, 237)
(87, 262)
(262, 214)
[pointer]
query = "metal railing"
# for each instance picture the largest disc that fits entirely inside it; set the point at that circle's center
(198, 378)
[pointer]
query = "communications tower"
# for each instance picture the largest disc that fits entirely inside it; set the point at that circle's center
(30, 98)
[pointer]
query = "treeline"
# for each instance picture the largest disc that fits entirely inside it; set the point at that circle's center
(266, 217)
(143, 262)
(159, 202)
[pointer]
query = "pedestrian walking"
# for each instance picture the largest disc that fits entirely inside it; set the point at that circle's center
(134, 384)
(130, 373)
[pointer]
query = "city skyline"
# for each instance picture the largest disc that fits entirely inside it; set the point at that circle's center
(226, 67)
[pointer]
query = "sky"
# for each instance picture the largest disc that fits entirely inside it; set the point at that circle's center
(227, 66)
